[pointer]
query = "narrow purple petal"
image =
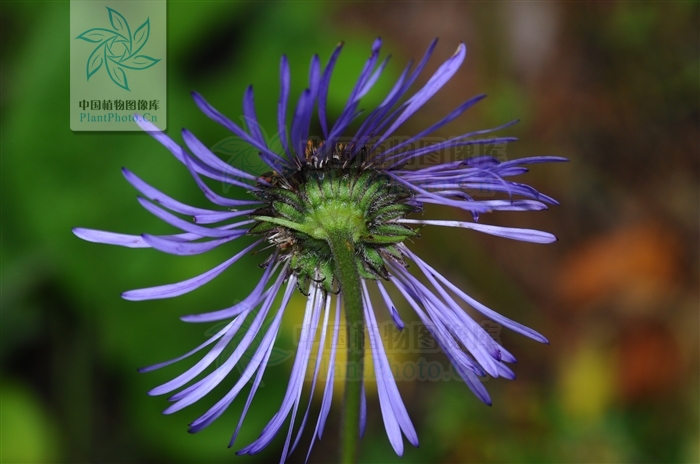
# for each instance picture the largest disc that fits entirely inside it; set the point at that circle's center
(291, 284)
(202, 364)
(465, 205)
(488, 312)
(185, 225)
(398, 322)
(251, 118)
(384, 376)
(373, 79)
(159, 197)
(186, 286)
(215, 115)
(186, 248)
(211, 195)
(198, 390)
(450, 117)
(300, 125)
(296, 380)
(328, 393)
(363, 411)
(465, 373)
(282, 104)
(181, 155)
(525, 235)
(206, 155)
(323, 89)
(218, 216)
(260, 357)
(317, 368)
(435, 83)
(189, 353)
(251, 301)
(111, 238)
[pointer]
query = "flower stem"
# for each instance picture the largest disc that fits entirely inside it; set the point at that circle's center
(343, 250)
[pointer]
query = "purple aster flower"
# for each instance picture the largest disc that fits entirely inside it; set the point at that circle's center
(355, 187)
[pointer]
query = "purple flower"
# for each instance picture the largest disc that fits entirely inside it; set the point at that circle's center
(364, 183)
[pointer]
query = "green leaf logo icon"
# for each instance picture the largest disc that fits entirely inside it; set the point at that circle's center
(117, 49)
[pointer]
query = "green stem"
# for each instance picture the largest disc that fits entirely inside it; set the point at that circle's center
(343, 250)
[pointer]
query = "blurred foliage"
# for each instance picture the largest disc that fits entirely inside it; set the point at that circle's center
(613, 86)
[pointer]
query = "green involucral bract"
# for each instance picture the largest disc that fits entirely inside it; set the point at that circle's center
(305, 206)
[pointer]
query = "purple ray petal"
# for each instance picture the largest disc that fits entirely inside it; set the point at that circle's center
(291, 284)
(112, 238)
(435, 83)
(198, 390)
(251, 301)
(259, 358)
(215, 115)
(181, 156)
(206, 155)
(296, 380)
(328, 393)
(218, 216)
(300, 123)
(186, 248)
(398, 322)
(282, 104)
(203, 363)
(211, 195)
(384, 376)
(488, 312)
(185, 225)
(251, 119)
(525, 235)
(317, 368)
(159, 197)
(467, 375)
(186, 286)
(380, 120)
(363, 411)
(450, 117)
(465, 205)
(189, 353)
(323, 89)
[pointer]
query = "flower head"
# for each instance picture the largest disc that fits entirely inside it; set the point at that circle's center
(354, 187)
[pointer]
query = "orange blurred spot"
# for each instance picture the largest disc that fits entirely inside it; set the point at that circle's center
(649, 362)
(638, 265)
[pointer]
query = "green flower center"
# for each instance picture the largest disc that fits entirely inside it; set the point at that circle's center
(306, 207)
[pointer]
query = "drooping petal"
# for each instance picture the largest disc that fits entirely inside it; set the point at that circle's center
(398, 322)
(186, 286)
(112, 238)
(525, 235)
(206, 155)
(196, 391)
(386, 385)
(159, 197)
(251, 301)
(291, 284)
(257, 362)
(317, 367)
(217, 336)
(296, 378)
(180, 248)
(488, 312)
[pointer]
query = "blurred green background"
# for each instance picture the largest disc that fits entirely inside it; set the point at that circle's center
(613, 86)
